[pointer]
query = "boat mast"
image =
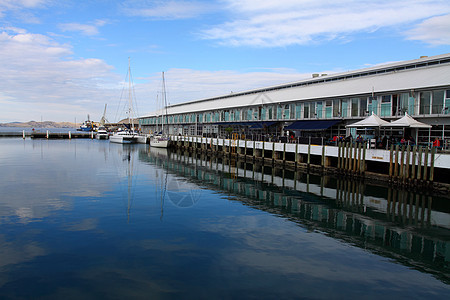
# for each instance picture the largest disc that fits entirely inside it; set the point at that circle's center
(164, 102)
(130, 103)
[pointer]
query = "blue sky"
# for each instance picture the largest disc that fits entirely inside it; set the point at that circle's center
(61, 60)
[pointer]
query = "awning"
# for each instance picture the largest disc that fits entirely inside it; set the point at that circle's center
(261, 125)
(312, 125)
(235, 123)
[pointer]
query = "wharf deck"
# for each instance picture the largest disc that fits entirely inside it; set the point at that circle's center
(409, 167)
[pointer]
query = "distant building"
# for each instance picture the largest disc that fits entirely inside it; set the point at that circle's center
(323, 104)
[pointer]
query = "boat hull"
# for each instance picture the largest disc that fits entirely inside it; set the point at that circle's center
(142, 139)
(159, 142)
(123, 139)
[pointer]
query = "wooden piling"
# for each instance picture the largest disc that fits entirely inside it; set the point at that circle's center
(413, 163)
(396, 162)
(408, 148)
(323, 156)
(309, 154)
(419, 165)
(425, 165)
(402, 159)
(433, 151)
(391, 162)
(295, 156)
(339, 156)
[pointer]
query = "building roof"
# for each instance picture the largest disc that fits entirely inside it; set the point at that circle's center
(402, 76)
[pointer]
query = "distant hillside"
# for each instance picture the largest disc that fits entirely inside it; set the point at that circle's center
(45, 124)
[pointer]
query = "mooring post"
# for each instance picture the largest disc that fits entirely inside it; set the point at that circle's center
(408, 148)
(355, 157)
(339, 156)
(359, 158)
(425, 165)
(391, 161)
(295, 157)
(309, 153)
(273, 152)
(363, 169)
(262, 151)
(433, 151)
(349, 156)
(413, 163)
(23, 134)
(323, 156)
(402, 158)
(396, 162)
(419, 165)
(47, 134)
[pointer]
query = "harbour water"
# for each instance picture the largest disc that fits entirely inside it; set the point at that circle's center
(89, 219)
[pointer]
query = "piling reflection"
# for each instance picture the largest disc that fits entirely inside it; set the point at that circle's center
(409, 227)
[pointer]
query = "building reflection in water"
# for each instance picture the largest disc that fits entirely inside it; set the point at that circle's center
(411, 228)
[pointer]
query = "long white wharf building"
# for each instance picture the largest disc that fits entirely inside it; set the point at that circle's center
(323, 104)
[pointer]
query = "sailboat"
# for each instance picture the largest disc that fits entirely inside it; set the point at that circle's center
(128, 135)
(160, 139)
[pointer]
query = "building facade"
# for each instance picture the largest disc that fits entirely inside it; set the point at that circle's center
(324, 104)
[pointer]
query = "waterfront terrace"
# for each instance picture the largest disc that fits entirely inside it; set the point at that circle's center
(323, 105)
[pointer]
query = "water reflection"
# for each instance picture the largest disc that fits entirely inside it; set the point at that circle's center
(89, 219)
(409, 227)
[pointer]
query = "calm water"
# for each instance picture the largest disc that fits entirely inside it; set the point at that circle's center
(86, 219)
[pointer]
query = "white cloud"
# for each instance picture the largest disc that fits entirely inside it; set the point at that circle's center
(278, 23)
(21, 8)
(170, 10)
(86, 29)
(38, 77)
(434, 31)
(186, 84)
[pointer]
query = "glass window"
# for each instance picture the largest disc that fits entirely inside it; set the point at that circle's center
(385, 106)
(355, 103)
(286, 112)
(306, 111)
(362, 107)
(344, 105)
(280, 113)
(319, 109)
(336, 108)
(328, 109)
(298, 111)
(386, 99)
(312, 110)
(270, 113)
(438, 102)
(425, 101)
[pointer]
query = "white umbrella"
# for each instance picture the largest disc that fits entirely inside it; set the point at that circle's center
(371, 121)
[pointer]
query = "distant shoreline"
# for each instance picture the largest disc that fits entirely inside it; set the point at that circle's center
(44, 124)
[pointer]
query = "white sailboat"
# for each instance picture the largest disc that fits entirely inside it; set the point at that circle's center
(160, 139)
(128, 135)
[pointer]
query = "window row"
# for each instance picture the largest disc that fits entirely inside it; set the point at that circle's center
(420, 103)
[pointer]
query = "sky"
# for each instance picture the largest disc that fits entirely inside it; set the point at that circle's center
(62, 60)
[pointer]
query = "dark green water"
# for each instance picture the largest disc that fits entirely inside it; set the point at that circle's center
(86, 219)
